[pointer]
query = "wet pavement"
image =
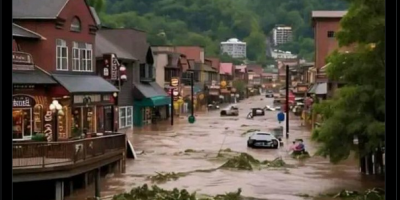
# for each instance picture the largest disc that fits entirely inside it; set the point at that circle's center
(162, 148)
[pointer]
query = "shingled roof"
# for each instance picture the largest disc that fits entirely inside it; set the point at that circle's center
(19, 31)
(35, 9)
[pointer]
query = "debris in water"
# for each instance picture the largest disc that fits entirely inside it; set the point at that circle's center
(155, 192)
(164, 177)
(371, 194)
(300, 155)
(242, 162)
(192, 151)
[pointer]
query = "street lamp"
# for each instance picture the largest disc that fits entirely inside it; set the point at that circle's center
(174, 93)
(55, 107)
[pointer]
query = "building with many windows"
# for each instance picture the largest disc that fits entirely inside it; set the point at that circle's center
(281, 35)
(234, 48)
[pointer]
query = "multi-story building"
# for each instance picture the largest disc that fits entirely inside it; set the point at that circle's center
(58, 97)
(325, 24)
(281, 35)
(234, 48)
(279, 54)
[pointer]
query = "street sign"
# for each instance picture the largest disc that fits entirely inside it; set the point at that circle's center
(281, 117)
(191, 119)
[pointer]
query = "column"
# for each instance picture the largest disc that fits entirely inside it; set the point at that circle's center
(59, 190)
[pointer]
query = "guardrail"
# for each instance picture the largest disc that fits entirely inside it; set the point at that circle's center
(51, 154)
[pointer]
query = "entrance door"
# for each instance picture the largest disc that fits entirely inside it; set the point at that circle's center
(22, 123)
(108, 118)
(88, 122)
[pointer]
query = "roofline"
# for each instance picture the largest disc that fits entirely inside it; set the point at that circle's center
(110, 28)
(62, 8)
(45, 18)
(25, 29)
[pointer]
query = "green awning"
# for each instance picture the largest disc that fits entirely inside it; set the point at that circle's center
(312, 89)
(153, 101)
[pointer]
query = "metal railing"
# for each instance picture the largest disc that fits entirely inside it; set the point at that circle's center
(51, 154)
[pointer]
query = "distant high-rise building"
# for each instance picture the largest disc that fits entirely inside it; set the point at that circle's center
(281, 35)
(234, 48)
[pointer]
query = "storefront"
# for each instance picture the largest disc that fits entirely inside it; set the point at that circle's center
(151, 104)
(213, 93)
(88, 105)
(30, 100)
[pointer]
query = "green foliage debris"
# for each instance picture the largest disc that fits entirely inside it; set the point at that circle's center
(161, 177)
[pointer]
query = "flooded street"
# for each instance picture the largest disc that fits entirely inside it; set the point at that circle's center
(163, 149)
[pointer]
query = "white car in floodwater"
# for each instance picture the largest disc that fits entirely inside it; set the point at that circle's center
(231, 110)
(263, 139)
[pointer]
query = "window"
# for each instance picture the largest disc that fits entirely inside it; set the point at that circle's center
(146, 71)
(125, 117)
(82, 59)
(22, 123)
(61, 55)
(76, 25)
(331, 34)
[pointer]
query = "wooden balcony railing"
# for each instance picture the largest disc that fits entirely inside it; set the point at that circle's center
(53, 154)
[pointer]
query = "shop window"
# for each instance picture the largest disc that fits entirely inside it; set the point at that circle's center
(22, 123)
(146, 71)
(61, 55)
(82, 58)
(331, 34)
(125, 117)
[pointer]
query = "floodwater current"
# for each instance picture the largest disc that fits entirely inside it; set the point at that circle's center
(161, 149)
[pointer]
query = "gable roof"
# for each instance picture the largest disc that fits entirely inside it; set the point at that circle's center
(132, 41)
(104, 46)
(34, 9)
(255, 68)
(95, 16)
(43, 9)
(19, 31)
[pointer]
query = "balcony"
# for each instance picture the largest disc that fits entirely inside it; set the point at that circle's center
(63, 156)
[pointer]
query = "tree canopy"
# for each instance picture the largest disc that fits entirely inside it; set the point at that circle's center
(208, 22)
(357, 109)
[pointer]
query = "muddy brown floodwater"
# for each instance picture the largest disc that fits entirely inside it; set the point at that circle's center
(161, 146)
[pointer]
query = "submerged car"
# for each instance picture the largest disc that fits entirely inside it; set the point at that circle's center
(231, 110)
(269, 94)
(263, 139)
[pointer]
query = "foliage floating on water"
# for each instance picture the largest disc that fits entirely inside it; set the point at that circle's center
(244, 161)
(164, 177)
(300, 155)
(192, 151)
(371, 194)
(155, 192)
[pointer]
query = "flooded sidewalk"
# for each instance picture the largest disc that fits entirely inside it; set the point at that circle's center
(162, 149)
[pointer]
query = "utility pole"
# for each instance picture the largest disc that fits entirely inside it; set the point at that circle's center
(287, 102)
(192, 89)
(172, 106)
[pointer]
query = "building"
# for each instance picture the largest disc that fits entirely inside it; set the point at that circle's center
(279, 54)
(281, 35)
(234, 48)
(60, 98)
(325, 24)
(226, 75)
(241, 78)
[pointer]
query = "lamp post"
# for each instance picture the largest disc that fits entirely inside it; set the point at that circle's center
(55, 107)
(174, 93)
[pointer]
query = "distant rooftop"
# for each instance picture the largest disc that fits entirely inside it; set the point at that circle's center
(233, 41)
(328, 14)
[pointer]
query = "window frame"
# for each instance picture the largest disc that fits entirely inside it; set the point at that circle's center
(73, 27)
(127, 124)
(60, 47)
(85, 61)
(330, 34)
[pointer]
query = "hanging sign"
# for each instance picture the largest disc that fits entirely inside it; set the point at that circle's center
(23, 101)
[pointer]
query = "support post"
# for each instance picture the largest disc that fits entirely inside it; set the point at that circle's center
(59, 190)
(97, 183)
(172, 106)
(287, 101)
(192, 89)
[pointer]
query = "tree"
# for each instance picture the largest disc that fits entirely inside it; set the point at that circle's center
(98, 5)
(357, 109)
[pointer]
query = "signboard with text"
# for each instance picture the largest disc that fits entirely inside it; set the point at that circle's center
(110, 68)
(22, 61)
(23, 101)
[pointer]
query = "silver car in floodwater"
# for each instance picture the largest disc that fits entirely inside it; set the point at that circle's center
(231, 110)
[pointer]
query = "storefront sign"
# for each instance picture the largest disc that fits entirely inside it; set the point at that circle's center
(233, 90)
(22, 58)
(302, 88)
(24, 86)
(215, 87)
(174, 82)
(110, 68)
(23, 101)
(48, 128)
(213, 92)
(223, 84)
(224, 91)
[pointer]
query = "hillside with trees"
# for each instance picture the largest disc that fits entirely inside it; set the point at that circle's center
(208, 22)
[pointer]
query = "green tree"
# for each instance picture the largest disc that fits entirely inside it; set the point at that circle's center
(358, 108)
(256, 45)
(98, 5)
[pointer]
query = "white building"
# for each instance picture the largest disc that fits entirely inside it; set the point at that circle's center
(234, 48)
(281, 35)
(278, 54)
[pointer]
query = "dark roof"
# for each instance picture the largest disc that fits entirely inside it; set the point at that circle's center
(34, 9)
(32, 77)
(19, 31)
(104, 46)
(85, 83)
(147, 90)
(132, 41)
